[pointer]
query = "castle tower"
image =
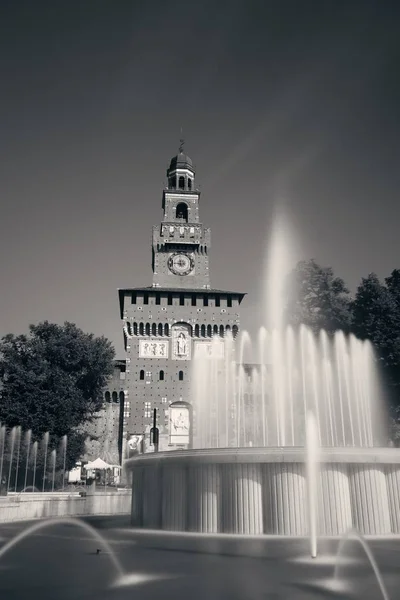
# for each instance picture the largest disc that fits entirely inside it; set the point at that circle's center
(165, 324)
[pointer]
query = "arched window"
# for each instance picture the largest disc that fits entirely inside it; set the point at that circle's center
(221, 330)
(160, 329)
(135, 329)
(166, 329)
(182, 211)
(181, 183)
(209, 331)
(147, 328)
(173, 183)
(114, 397)
(154, 329)
(228, 328)
(203, 331)
(196, 330)
(141, 328)
(121, 397)
(141, 375)
(189, 183)
(235, 330)
(129, 327)
(107, 397)
(180, 375)
(215, 330)
(161, 375)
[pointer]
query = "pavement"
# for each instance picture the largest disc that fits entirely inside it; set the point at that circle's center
(103, 558)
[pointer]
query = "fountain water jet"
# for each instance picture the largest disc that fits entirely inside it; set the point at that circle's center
(62, 521)
(53, 464)
(34, 452)
(353, 534)
(2, 449)
(45, 448)
(18, 436)
(312, 459)
(12, 442)
(28, 439)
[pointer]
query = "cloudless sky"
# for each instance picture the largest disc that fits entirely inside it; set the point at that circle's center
(291, 101)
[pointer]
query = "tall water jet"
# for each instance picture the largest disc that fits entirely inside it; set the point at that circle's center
(2, 450)
(312, 461)
(28, 438)
(45, 448)
(64, 450)
(12, 446)
(53, 457)
(34, 453)
(18, 444)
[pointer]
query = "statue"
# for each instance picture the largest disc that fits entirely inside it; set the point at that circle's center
(181, 344)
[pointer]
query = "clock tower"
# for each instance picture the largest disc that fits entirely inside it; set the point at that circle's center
(179, 316)
(181, 244)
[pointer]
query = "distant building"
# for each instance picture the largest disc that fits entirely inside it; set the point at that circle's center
(105, 430)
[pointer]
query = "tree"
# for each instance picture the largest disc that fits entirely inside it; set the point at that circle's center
(376, 316)
(316, 298)
(52, 380)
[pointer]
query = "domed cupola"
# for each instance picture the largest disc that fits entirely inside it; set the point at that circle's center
(181, 172)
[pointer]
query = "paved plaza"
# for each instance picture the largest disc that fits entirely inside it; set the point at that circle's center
(62, 562)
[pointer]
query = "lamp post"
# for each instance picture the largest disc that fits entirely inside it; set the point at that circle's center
(154, 432)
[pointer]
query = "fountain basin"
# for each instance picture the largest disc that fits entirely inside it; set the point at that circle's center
(263, 491)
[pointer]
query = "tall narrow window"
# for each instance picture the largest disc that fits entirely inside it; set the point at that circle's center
(189, 184)
(141, 328)
(154, 329)
(203, 331)
(114, 397)
(158, 299)
(205, 301)
(107, 397)
(193, 299)
(161, 375)
(160, 329)
(170, 299)
(197, 330)
(229, 302)
(181, 183)
(217, 301)
(146, 298)
(147, 328)
(180, 375)
(182, 211)
(142, 375)
(181, 300)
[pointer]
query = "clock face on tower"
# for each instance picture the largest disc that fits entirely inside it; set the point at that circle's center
(180, 263)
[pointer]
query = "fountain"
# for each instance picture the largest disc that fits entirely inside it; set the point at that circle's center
(255, 465)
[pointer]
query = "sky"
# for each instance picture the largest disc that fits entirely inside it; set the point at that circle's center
(290, 103)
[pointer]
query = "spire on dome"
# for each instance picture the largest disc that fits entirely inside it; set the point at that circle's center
(181, 172)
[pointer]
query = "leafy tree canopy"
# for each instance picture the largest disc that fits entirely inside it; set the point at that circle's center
(316, 298)
(376, 316)
(52, 379)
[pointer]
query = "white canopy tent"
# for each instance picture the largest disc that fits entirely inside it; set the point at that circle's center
(98, 464)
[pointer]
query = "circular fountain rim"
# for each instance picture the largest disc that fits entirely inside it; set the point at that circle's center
(288, 454)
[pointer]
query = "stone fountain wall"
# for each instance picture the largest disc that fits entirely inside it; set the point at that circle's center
(263, 491)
